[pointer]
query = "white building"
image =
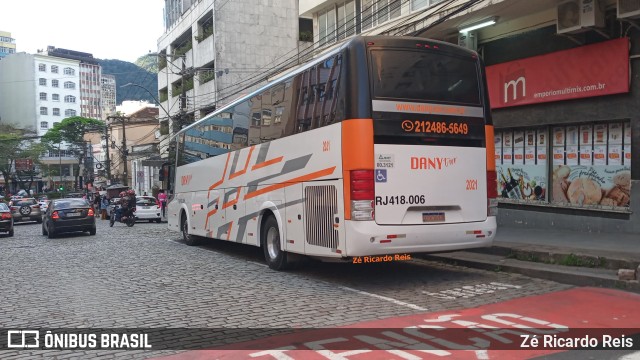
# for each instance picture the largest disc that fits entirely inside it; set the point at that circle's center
(46, 89)
(213, 50)
(90, 80)
(37, 92)
(129, 107)
(108, 95)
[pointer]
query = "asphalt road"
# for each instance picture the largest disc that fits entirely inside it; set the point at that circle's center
(146, 277)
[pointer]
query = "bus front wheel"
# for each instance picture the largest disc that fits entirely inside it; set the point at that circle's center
(190, 240)
(273, 254)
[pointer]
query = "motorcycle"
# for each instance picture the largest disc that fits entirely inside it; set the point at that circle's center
(116, 216)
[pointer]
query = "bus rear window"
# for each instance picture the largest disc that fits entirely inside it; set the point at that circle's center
(424, 76)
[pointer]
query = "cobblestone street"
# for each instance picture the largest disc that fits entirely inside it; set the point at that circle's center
(145, 277)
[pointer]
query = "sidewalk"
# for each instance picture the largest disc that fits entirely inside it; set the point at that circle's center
(572, 257)
(597, 244)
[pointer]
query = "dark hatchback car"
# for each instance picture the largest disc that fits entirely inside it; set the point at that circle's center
(6, 219)
(68, 215)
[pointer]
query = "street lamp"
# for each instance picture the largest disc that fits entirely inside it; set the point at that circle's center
(169, 117)
(152, 96)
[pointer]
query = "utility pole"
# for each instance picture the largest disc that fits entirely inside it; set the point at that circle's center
(123, 150)
(107, 140)
(124, 154)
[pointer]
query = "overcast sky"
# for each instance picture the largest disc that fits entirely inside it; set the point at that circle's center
(113, 29)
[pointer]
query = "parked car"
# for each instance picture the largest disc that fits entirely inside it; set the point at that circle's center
(147, 208)
(26, 209)
(13, 199)
(6, 219)
(69, 215)
(44, 204)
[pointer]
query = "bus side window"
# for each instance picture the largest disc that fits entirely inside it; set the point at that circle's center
(289, 108)
(254, 107)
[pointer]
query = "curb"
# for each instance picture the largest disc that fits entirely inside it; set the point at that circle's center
(563, 256)
(579, 276)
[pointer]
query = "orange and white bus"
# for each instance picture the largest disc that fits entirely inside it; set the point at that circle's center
(382, 146)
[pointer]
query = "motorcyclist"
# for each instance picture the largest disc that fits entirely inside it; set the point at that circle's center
(129, 203)
(120, 209)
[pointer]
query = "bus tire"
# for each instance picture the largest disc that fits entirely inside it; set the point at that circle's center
(273, 254)
(190, 240)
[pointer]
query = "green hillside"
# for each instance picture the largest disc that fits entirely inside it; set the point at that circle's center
(143, 73)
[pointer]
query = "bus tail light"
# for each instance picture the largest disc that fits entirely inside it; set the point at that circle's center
(492, 193)
(362, 195)
(492, 175)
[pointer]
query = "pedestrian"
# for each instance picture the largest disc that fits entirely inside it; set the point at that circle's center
(162, 197)
(96, 203)
(104, 206)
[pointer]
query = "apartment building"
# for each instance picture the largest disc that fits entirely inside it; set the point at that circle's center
(46, 89)
(90, 84)
(37, 92)
(563, 83)
(211, 51)
(7, 44)
(108, 95)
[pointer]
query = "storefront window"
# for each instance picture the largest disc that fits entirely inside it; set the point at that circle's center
(590, 165)
(521, 161)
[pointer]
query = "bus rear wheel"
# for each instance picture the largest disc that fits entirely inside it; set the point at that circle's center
(273, 254)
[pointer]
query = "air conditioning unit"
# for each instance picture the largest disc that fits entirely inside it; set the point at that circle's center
(468, 40)
(628, 9)
(575, 16)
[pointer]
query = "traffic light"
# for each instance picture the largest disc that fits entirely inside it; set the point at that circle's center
(61, 188)
(164, 173)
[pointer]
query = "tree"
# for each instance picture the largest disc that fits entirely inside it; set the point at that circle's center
(69, 133)
(18, 144)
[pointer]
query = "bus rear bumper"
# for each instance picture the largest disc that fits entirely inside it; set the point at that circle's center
(417, 239)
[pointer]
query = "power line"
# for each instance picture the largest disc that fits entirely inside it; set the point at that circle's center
(292, 61)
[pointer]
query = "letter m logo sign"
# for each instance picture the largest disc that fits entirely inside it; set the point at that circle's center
(514, 86)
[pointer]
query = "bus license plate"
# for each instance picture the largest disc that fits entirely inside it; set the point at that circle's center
(433, 217)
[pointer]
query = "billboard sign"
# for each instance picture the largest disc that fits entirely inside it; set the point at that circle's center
(587, 71)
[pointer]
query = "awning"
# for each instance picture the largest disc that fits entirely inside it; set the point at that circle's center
(153, 163)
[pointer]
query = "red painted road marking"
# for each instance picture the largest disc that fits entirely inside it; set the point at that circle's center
(486, 332)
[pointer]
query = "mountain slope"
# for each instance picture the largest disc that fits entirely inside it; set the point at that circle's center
(125, 73)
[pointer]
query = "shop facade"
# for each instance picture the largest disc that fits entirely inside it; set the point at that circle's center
(567, 123)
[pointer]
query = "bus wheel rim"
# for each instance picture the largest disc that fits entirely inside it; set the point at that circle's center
(185, 234)
(272, 246)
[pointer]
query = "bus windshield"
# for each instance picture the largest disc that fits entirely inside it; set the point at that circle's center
(424, 76)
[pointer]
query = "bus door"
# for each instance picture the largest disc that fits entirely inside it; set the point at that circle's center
(294, 220)
(215, 212)
(198, 213)
(234, 225)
